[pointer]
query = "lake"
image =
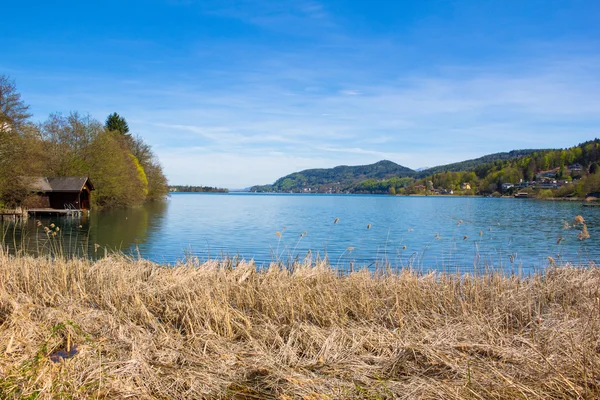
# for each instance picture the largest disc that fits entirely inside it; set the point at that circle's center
(427, 233)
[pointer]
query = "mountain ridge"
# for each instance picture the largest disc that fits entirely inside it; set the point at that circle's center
(344, 178)
(334, 179)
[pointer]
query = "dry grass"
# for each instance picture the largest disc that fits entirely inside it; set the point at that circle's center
(211, 331)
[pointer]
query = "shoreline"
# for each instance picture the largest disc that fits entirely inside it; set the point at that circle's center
(390, 195)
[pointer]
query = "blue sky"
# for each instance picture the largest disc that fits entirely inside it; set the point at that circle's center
(233, 93)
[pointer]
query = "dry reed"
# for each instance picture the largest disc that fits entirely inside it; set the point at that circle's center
(122, 328)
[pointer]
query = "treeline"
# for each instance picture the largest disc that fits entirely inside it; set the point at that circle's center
(469, 165)
(123, 169)
(196, 189)
(574, 171)
(390, 186)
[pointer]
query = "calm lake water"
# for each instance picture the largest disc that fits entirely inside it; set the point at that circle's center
(429, 233)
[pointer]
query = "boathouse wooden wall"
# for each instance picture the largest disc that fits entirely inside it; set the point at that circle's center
(63, 193)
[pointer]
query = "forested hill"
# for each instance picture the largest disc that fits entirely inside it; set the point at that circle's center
(482, 175)
(336, 179)
(346, 178)
(476, 162)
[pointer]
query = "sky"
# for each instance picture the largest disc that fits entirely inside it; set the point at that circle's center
(233, 93)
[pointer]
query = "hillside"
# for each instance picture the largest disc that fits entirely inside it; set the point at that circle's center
(563, 170)
(476, 162)
(363, 178)
(336, 179)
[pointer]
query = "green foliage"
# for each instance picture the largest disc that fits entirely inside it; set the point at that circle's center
(391, 186)
(338, 179)
(108, 171)
(68, 141)
(157, 181)
(196, 189)
(116, 123)
(122, 167)
(568, 190)
(141, 174)
(484, 175)
(118, 177)
(18, 152)
(471, 165)
(592, 183)
(488, 178)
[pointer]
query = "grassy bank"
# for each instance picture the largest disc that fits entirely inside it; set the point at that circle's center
(119, 328)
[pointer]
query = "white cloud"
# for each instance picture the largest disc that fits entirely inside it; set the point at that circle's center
(276, 112)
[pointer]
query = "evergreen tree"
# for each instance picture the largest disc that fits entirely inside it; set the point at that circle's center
(116, 123)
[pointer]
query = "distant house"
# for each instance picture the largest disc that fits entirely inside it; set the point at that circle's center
(575, 167)
(547, 175)
(506, 186)
(71, 192)
(465, 186)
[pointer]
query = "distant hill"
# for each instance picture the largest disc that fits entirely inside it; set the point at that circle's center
(476, 162)
(375, 178)
(336, 179)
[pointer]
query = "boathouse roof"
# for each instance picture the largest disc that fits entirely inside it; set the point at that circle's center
(61, 184)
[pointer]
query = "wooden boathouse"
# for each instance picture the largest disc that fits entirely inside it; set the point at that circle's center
(70, 194)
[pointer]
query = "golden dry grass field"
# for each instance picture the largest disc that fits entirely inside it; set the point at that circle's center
(120, 328)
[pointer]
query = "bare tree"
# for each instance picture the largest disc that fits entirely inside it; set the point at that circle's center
(13, 111)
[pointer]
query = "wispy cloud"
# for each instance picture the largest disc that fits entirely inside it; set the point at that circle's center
(287, 16)
(283, 86)
(245, 126)
(443, 118)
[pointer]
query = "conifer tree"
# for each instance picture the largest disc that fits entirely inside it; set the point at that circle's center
(116, 123)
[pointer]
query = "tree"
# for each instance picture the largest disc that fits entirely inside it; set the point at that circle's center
(13, 111)
(140, 150)
(68, 140)
(12, 188)
(114, 173)
(123, 168)
(157, 182)
(15, 161)
(116, 123)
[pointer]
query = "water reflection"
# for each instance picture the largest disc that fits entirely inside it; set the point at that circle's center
(429, 233)
(125, 229)
(90, 235)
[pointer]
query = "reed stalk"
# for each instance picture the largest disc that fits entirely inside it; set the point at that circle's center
(128, 328)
